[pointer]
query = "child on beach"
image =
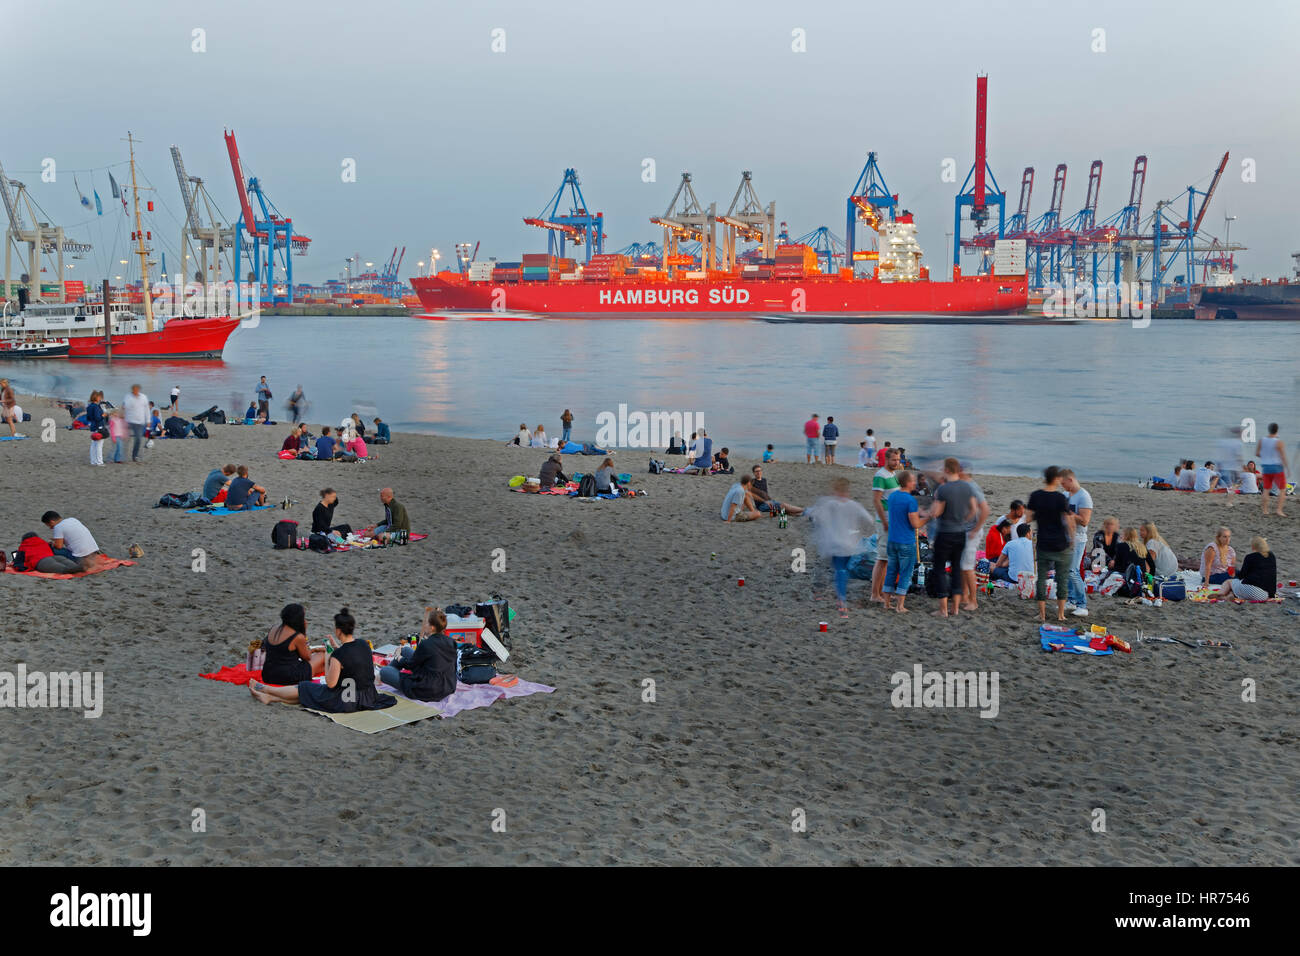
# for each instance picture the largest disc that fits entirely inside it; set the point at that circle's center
(769, 453)
(117, 432)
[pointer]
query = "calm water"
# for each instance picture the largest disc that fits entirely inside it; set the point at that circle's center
(1115, 402)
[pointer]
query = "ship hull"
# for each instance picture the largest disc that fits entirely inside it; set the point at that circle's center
(178, 339)
(1250, 302)
(694, 299)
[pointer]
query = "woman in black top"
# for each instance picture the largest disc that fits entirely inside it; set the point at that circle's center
(322, 516)
(349, 677)
(430, 670)
(1130, 551)
(1256, 579)
(288, 657)
(1106, 540)
(1049, 507)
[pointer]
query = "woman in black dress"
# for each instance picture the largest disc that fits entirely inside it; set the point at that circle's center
(289, 659)
(1131, 551)
(349, 677)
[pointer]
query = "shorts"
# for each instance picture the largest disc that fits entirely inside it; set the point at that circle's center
(812, 446)
(1272, 479)
(968, 553)
(766, 506)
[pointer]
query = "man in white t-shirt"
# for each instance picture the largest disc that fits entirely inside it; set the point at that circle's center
(1081, 508)
(1207, 479)
(72, 539)
(1015, 514)
(136, 411)
(1186, 478)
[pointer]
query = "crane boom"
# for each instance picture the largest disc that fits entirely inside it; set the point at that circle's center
(241, 190)
(191, 214)
(11, 208)
(1209, 194)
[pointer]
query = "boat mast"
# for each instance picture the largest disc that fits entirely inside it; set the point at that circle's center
(140, 250)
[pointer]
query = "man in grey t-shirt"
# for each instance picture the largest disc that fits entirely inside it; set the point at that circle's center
(953, 502)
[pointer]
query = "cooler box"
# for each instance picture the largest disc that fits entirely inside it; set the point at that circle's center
(466, 630)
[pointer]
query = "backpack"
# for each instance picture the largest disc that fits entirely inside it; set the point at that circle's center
(285, 535)
(206, 415)
(496, 612)
(317, 542)
(587, 487)
(656, 467)
(200, 430)
(1132, 586)
(218, 417)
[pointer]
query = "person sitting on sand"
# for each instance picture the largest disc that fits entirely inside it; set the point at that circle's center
(289, 658)
(358, 425)
(1132, 550)
(763, 499)
(1206, 478)
(322, 516)
(606, 478)
(349, 677)
(243, 493)
(72, 539)
(997, 539)
(325, 445)
(35, 554)
(769, 453)
(1257, 580)
(552, 474)
(1249, 479)
(216, 484)
(523, 438)
(539, 439)
(427, 671)
(722, 463)
(1016, 515)
(701, 454)
(1187, 477)
(738, 505)
(1016, 558)
(383, 436)
(250, 413)
(293, 441)
(1166, 562)
(1219, 561)
(395, 517)
(357, 446)
(1106, 541)
(677, 446)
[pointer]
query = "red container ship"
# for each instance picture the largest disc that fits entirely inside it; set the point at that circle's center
(712, 296)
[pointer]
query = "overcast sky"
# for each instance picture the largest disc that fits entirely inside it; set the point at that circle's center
(453, 141)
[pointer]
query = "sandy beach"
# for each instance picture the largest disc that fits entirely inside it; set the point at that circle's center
(758, 720)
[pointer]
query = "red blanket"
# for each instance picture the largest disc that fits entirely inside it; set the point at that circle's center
(239, 674)
(108, 564)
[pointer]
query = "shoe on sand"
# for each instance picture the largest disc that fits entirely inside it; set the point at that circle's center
(1080, 612)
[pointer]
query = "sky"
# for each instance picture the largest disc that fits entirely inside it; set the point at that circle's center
(455, 141)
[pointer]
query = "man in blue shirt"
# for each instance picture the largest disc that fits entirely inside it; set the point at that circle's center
(382, 435)
(830, 438)
(216, 480)
(325, 445)
(905, 516)
(264, 398)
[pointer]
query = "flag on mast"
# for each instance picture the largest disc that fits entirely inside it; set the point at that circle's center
(99, 207)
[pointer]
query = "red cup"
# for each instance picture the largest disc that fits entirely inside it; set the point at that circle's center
(740, 582)
(822, 626)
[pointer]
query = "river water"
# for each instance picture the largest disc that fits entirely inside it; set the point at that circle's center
(1114, 401)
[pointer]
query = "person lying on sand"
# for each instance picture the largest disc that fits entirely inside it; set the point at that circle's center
(349, 677)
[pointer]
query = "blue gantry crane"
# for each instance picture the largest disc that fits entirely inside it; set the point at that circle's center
(870, 202)
(828, 246)
(274, 241)
(578, 226)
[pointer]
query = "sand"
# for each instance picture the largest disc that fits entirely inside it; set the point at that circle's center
(758, 721)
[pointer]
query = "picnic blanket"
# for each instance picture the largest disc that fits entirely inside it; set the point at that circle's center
(108, 564)
(222, 511)
(472, 696)
(1070, 642)
(365, 533)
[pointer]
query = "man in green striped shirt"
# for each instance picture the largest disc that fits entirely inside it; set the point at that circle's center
(884, 484)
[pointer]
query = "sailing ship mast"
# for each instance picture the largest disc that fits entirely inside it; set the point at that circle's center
(140, 250)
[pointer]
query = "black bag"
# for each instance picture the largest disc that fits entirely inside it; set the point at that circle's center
(496, 613)
(1132, 586)
(218, 417)
(284, 535)
(587, 487)
(460, 610)
(200, 430)
(205, 415)
(656, 467)
(319, 542)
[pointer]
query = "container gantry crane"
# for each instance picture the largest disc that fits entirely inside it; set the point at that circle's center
(869, 202)
(274, 241)
(747, 220)
(578, 227)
